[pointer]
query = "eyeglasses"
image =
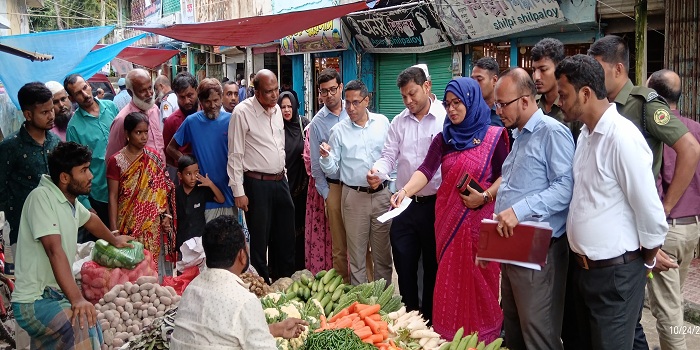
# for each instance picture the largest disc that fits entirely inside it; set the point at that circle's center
(355, 104)
(332, 91)
(454, 103)
(505, 104)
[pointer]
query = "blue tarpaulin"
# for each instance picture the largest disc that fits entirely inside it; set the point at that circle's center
(68, 47)
(95, 60)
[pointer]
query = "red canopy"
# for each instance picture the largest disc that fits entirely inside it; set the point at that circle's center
(253, 30)
(144, 56)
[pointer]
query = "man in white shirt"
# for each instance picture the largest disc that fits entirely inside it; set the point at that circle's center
(216, 311)
(413, 232)
(614, 211)
(166, 96)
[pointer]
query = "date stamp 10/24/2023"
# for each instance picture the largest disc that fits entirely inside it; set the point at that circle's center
(685, 330)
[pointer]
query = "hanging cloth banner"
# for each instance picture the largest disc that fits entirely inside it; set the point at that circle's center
(412, 28)
(95, 60)
(321, 38)
(68, 48)
(476, 20)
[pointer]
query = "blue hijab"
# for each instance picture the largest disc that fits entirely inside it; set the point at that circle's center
(471, 131)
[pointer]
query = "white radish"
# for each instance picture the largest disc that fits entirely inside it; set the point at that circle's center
(424, 333)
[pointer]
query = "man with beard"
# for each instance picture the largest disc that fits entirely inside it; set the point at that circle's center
(256, 168)
(62, 108)
(412, 233)
(230, 96)
(23, 155)
(207, 132)
(47, 302)
(166, 96)
(89, 126)
(185, 87)
(138, 84)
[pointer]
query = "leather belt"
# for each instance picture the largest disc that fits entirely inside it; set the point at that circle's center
(424, 199)
(587, 264)
(333, 181)
(369, 190)
(686, 220)
(265, 177)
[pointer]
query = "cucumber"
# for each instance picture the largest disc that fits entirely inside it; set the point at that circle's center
(336, 282)
(295, 287)
(457, 338)
(304, 280)
(327, 310)
(473, 340)
(463, 344)
(290, 295)
(314, 286)
(328, 276)
(336, 295)
(320, 274)
(326, 299)
(307, 293)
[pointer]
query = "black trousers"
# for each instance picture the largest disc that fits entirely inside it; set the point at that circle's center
(270, 219)
(608, 301)
(570, 336)
(300, 228)
(412, 234)
(102, 210)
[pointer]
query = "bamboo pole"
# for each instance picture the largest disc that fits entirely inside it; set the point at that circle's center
(640, 41)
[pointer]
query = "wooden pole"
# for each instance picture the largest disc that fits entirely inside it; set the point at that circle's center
(640, 41)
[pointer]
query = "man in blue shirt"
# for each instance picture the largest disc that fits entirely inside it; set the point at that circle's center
(537, 185)
(355, 144)
(207, 132)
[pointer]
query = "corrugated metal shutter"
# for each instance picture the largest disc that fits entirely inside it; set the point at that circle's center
(389, 66)
(440, 67)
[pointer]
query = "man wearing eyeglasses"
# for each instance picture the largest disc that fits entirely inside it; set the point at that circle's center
(256, 170)
(536, 185)
(407, 143)
(355, 144)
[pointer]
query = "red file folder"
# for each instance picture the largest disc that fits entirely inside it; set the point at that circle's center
(527, 247)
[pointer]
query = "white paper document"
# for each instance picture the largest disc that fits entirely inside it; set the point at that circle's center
(396, 211)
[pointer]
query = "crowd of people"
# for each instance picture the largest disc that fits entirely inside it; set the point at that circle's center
(612, 167)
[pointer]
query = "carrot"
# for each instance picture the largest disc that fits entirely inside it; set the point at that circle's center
(324, 323)
(364, 332)
(344, 323)
(372, 324)
(376, 317)
(352, 307)
(358, 325)
(375, 338)
(359, 307)
(369, 311)
(339, 315)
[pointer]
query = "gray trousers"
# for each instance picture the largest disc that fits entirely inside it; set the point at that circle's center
(533, 301)
(360, 212)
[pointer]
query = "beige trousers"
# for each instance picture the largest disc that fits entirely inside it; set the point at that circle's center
(360, 212)
(665, 297)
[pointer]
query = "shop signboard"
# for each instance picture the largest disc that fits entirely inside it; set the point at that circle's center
(477, 20)
(412, 28)
(321, 38)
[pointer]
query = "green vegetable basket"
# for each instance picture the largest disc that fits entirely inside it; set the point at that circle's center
(110, 256)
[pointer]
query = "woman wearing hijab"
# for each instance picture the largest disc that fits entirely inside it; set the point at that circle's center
(465, 294)
(296, 172)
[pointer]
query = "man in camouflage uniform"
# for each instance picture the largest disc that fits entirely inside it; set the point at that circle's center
(651, 114)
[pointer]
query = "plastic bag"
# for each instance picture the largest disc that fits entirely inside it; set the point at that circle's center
(108, 255)
(181, 282)
(98, 280)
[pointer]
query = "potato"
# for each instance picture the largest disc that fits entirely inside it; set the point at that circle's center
(129, 322)
(146, 286)
(166, 301)
(153, 297)
(162, 292)
(129, 307)
(121, 328)
(152, 310)
(122, 335)
(110, 296)
(147, 279)
(117, 288)
(161, 307)
(120, 301)
(156, 302)
(146, 322)
(135, 297)
(108, 337)
(117, 343)
(171, 290)
(160, 313)
(145, 306)
(125, 316)
(132, 338)
(109, 316)
(102, 301)
(176, 300)
(100, 316)
(144, 293)
(136, 329)
(137, 305)
(115, 323)
(104, 347)
(120, 309)
(139, 314)
(104, 324)
(127, 286)
(134, 289)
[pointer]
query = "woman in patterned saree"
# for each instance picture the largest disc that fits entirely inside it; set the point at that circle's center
(141, 196)
(465, 293)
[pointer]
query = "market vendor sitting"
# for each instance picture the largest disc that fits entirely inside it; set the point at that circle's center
(47, 302)
(216, 311)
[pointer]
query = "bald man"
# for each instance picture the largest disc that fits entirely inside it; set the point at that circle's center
(256, 170)
(166, 96)
(674, 257)
(140, 88)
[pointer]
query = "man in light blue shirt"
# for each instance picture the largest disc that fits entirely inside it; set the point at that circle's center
(328, 185)
(123, 98)
(355, 144)
(537, 185)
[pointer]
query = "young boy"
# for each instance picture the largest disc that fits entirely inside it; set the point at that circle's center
(191, 199)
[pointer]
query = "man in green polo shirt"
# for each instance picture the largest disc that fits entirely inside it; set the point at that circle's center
(651, 114)
(89, 126)
(46, 300)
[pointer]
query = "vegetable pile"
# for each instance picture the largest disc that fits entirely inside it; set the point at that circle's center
(127, 309)
(409, 331)
(363, 319)
(98, 280)
(471, 341)
(108, 255)
(255, 284)
(338, 339)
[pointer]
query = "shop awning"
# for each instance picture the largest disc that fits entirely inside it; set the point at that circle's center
(144, 56)
(253, 30)
(32, 56)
